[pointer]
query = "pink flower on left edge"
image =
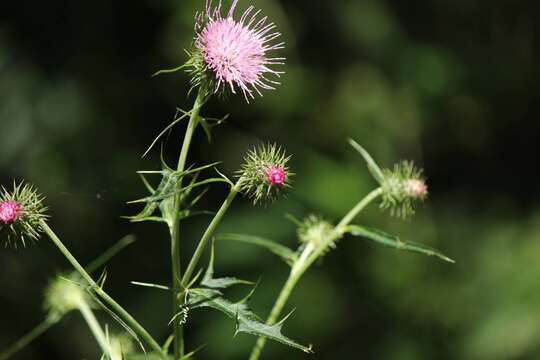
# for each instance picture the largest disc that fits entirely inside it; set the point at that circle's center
(22, 214)
(10, 211)
(235, 52)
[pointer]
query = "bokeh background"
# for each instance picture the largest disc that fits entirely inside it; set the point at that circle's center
(450, 84)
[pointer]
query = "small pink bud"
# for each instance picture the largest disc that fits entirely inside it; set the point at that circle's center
(416, 188)
(10, 211)
(275, 175)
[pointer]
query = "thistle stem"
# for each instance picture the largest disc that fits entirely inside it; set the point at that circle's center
(296, 273)
(96, 329)
(209, 232)
(28, 338)
(175, 227)
(308, 256)
(115, 307)
(358, 208)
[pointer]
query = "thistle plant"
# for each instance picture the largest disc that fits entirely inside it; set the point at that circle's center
(21, 213)
(228, 55)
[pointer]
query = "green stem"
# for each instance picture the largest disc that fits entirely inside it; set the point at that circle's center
(96, 329)
(296, 273)
(109, 253)
(28, 338)
(209, 233)
(307, 258)
(115, 307)
(175, 227)
(359, 207)
(50, 321)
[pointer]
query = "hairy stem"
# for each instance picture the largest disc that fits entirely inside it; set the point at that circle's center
(175, 228)
(305, 260)
(115, 307)
(209, 233)
(96, 329)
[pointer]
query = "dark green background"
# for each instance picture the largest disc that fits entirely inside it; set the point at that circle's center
(452, 84)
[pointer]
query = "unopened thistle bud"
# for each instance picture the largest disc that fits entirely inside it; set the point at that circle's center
(21, 211)
(264, 174)
(317, 232)
(402, 188)
(121, 345)
(62, 296)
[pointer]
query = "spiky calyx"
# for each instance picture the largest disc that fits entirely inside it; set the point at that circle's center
(121, 345)
(402, 188)
(62, 296)
(21, 212)
(265, 174)
(317, 232)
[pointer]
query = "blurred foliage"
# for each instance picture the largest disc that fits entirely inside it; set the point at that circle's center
(451, 84)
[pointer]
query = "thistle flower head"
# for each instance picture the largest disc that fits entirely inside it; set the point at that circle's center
(62, 296)
(10, 211)
(21, 211)
(264, 174)
(276, 175)
(317, 232)
(234, 53)
(402, 187)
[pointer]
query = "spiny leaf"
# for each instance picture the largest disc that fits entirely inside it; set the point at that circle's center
(374, 169)
(286, 254)
(151, 285)
(191, 353)
(166, 189)
(394, 241)
(246, 320)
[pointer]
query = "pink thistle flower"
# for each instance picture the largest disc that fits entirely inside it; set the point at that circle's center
(416, 188)
(10, 211)
(235, 52)
(275, 175)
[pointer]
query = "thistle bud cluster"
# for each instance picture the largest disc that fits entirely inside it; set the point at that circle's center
(316, 232)
(63, 296)
(121, 345)
(264, 174)
(21, 212)
(402, 188)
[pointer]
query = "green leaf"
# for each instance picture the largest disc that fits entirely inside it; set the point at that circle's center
(394, 241)
(285, 253)
(151, 285)
(374, 169)
(166, 189)
(246, 320)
